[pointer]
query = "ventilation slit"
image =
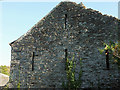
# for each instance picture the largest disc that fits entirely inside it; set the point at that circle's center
(33, 61)
(65, 20)
(66, 55)
(107, 59)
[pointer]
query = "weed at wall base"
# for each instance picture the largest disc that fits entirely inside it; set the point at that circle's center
(72, 82)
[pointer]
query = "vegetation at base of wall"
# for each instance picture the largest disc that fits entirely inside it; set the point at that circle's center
(5, 69)
(6, 87)
(18, 86)
(114, 51)
(72, 82)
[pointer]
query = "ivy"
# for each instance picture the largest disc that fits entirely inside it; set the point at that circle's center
(72, 82)
(114, 51)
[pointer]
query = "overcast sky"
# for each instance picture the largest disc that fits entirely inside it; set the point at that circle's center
(16, 18)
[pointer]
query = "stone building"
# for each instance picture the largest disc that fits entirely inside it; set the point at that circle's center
(38, 57)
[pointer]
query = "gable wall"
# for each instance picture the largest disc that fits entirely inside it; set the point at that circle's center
(86, 31)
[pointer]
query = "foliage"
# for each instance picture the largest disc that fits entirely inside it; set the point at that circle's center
(18, 86)
(72, 82)
(114, 51)
(5, 69)
(6, 87)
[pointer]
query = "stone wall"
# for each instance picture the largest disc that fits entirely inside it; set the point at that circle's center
(68, 26)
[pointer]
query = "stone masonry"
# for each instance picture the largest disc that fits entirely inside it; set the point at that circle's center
(38, 57)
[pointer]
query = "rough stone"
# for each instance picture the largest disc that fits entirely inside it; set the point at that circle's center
(86, 31)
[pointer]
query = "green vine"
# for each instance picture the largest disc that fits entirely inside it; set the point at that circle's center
(114, 51)
(72, 82)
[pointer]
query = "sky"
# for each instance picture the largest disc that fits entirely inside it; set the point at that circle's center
(16, 18)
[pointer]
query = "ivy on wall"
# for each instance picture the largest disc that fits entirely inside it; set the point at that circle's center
(72, 82)
(114, 51)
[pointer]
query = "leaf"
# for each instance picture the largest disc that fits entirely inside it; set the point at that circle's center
(101, 51)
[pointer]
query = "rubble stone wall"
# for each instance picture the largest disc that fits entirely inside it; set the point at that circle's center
(68, 26)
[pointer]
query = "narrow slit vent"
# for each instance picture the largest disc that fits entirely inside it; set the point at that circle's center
(65, 21)
(33, 55)
(66, 55)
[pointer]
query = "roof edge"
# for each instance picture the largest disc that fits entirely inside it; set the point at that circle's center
(62, 2)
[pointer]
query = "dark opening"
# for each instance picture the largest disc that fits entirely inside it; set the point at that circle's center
(66, 55)
(52, 86)
(33, 61)
(107, 59)
(65, 20)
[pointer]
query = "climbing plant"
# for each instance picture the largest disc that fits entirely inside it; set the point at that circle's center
(114, 51)
(72, 82)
